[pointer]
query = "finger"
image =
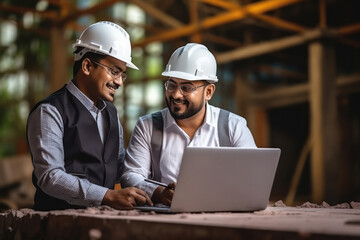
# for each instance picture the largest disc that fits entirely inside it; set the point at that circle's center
(166, 201)
(140, 200)
(146, 196)
(172, 185)
(132, 202)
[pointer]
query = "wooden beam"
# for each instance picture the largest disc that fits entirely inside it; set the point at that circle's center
(34, 30)
(349, 29)
(322, 14)
(262, 17)
(282, 72)
(349, 42)
(323, 125)
(280, 23)
(223, 4)
(59, 66)
(289, 200)
(194, 19)
(281, 96)
(267, 47)
(348, 84)
(52, 15)
(157, 14)
(221, 19)
(90, 10)
(222, 40)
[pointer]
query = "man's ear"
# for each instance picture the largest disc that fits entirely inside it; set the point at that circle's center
(209, 91)
(85, 66)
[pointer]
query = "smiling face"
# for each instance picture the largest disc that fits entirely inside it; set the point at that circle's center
(100, 82)
(183, 107)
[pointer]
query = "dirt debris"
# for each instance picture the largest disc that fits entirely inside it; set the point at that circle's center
(354, 205)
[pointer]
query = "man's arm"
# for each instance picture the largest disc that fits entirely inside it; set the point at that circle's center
(240, 134)
(126, 198)
(45, 136)
(138, 158)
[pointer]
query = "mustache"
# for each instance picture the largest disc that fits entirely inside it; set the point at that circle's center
(114, 86)
(183, 101)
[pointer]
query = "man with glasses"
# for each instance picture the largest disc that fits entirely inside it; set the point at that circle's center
(158, 141)
(75, 136)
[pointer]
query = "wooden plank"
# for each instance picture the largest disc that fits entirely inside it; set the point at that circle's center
(257, 49)
(299, 93)
(281, 72)
(281, 96)
(289, 200)
(221, 19)
(265, 18)
(349, 29)
(280, 23)
(157, 14)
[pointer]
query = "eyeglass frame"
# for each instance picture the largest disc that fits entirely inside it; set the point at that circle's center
(179, 86)
(111, 70)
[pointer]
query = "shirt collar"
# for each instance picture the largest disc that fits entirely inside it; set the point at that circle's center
(87, 102)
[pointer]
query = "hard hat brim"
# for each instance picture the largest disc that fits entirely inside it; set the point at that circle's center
(189, 77)
(78, 56)
(130, 65)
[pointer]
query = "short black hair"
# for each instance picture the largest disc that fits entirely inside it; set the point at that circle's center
(90, 55)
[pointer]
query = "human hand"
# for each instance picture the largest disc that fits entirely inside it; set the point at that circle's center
(126, 198)
(164, 195)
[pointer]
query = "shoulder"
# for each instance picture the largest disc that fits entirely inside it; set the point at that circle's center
(145, 123)
(233, 118)
(45, 114)
(51, 99)
(149, 117)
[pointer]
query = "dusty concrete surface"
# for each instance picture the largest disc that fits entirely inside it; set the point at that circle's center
(308, 221)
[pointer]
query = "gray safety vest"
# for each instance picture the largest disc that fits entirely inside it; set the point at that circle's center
(157, 138)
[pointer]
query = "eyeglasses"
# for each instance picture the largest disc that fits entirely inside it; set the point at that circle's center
(184, 89)
(115, 74)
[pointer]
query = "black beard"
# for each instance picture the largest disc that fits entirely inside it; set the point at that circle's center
(187, 114)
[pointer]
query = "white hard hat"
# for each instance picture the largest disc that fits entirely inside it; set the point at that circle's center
(192, 62)
(105, 38)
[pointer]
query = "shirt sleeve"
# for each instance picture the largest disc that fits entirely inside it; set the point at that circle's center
(45, 135)
(121, 152)
(240, 134)
(138, 158)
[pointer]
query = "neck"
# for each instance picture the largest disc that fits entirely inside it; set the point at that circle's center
(82, 88)
(192, 124)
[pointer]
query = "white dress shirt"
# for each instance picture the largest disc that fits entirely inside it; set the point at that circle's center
(175, 140)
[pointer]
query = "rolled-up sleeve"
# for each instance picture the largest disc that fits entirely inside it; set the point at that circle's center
(138, 158)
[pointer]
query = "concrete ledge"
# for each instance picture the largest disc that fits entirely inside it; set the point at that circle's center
(107, 223)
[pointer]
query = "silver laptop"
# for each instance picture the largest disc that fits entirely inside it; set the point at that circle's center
(213, 179)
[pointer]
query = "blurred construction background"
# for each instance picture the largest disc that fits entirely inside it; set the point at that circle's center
(290, 67)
